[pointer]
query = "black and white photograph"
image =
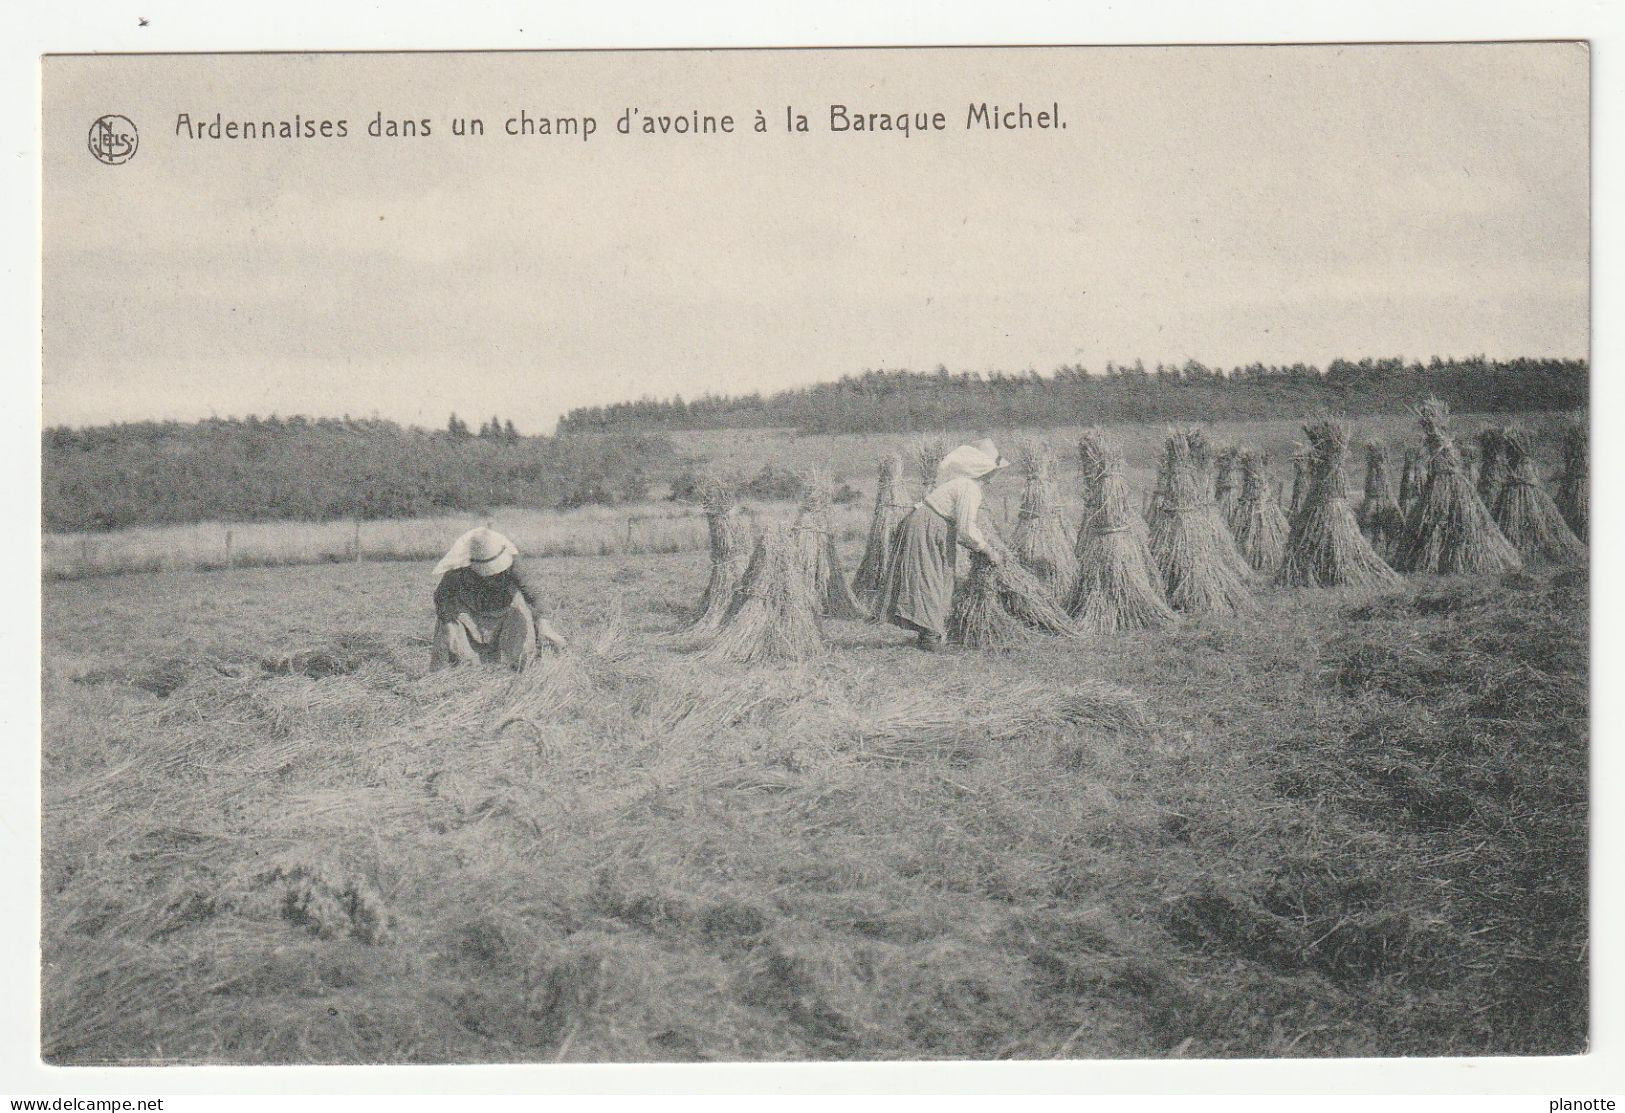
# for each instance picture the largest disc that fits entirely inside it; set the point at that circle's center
(885, 554)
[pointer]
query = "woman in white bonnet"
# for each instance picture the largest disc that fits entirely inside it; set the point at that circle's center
(486, 605)
(919, 590)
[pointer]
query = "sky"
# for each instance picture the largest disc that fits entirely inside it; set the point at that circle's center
(1224, 204)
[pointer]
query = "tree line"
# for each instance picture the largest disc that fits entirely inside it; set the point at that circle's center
(907, 401)
(257, 469)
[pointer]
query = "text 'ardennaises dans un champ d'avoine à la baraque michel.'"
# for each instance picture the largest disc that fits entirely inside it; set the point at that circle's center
(838, 119)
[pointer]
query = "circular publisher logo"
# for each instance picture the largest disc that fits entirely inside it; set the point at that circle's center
(113, 139)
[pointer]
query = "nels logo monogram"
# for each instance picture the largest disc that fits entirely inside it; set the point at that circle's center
(113, 139)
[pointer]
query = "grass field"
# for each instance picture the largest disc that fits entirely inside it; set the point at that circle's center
(1340, 825)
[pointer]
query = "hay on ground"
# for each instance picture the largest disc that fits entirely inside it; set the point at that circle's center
(870, 579)
(1574, 485)
(1202, 572)
(1116, 586)
(1448, 529)
(815, 531)
(774, 615)
(925, 726)
(1325, 547)
(1525, 511)
(1380, 516)
(1040, 540)
(1261, 530)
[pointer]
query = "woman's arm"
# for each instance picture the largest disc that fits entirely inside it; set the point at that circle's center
(967, 506)
(533, 596)
(445, 609)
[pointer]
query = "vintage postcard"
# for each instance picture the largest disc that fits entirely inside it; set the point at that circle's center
(816, 554)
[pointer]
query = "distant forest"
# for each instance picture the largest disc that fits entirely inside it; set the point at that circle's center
(258, 469)
(906, 401)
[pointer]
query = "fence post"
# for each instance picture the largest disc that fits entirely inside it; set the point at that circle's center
(357, 541)
(627, 548)
(84, 553)
(230, 561)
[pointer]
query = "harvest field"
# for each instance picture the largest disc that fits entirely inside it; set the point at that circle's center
(1340, 824)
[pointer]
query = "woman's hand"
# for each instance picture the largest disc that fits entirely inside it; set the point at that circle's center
(546, 633)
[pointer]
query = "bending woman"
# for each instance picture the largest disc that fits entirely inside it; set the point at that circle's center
(919, 589)
(485, 605)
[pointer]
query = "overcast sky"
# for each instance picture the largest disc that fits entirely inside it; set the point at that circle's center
(1223, 204)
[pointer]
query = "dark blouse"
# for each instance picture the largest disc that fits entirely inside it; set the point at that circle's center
(463, 589)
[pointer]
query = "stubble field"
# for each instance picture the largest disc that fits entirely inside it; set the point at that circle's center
(1339, 825)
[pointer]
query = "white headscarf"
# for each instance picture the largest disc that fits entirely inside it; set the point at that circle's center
(970, 461)
(483, 548)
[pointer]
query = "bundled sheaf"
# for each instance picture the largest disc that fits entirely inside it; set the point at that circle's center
(730, 548)
(1448, 529)
(1117, 587)
(1380, 516)
(1225, 496)
(1469, 462)
(1574, 485)
(1410, 481)
(774, 616)
(1325, 547)
(815, 533)
(1156, 501)
(1202, 460)
(1040, 539)
(1000, 606)
(870, 579)
(1202, 571)
(1492, 465)
(1300, 480)
(1261, 529)
(926, 452)
(1526, 513)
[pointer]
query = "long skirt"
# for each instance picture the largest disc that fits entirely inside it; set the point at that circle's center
(506, 636)
(919, 588)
